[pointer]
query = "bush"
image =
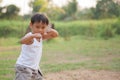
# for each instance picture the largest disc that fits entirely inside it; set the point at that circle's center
(12, 28)
(116, 26)
(107, 32)
(92, 28)
(103, 28)
(6, 31)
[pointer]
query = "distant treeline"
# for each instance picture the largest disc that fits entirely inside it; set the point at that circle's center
(71, 11)
(91, 28)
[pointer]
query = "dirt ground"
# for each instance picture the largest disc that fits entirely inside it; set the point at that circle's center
(83, 75)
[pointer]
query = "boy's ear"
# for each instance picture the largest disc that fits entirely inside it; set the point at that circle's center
(30, 25)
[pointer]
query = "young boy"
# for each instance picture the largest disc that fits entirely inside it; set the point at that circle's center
(27, 65)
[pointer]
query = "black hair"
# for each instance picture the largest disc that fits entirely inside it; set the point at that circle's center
(38, 18)
(52, 26)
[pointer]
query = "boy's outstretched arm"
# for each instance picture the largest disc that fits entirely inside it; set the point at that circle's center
(51, 34)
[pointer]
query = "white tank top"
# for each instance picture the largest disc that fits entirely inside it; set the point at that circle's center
(31, 54)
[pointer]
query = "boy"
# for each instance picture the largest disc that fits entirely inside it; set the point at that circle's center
(27, 65)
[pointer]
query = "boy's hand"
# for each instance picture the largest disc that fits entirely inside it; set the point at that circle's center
(37, 36)
(50, 34)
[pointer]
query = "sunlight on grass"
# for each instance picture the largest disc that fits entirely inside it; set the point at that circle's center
(59, 55)
(9, 41)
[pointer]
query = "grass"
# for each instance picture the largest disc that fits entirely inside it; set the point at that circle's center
(59, 55)
(8, 41)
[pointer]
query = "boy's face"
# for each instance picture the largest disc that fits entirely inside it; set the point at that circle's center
(38, 27)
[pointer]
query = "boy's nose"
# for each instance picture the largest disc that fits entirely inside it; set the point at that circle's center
(40, 30)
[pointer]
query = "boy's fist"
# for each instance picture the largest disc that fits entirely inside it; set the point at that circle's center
(38, 36)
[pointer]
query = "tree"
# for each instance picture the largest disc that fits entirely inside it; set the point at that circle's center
(71, 9)
(106, 9)
(0, 9)
(1, 12)
(12, 11)
(39, 5)
(55, 13)
(86, 13)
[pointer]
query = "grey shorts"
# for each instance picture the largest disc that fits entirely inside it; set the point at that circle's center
(25, 73)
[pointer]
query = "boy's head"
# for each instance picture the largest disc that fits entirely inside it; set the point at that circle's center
(38, 23)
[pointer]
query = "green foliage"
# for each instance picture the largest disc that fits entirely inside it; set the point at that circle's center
(11, 12)
(6, 31)
(39, 5)
(70, 10)
(106, 32)
(55, 13)
(12, 28)
(106, 9)
(85, 14)
(116, 26)
(92, 28)
(103, 28)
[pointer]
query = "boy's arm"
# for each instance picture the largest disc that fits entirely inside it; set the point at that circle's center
(28, 39)
(51, 34)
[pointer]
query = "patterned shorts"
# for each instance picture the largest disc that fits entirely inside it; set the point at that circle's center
(25, 73)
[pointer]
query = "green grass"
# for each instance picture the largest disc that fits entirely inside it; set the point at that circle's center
(9, 41)
(87, 53)
(59, 55)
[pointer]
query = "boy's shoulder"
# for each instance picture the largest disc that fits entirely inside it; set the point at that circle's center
(29, 33)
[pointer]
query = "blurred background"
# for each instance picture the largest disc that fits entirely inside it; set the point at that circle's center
(89, 34)
(95, 18)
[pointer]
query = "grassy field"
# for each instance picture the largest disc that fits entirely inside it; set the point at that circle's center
(59, 55)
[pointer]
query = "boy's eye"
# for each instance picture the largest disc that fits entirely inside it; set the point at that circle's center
(37, 26)
(43, 27)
